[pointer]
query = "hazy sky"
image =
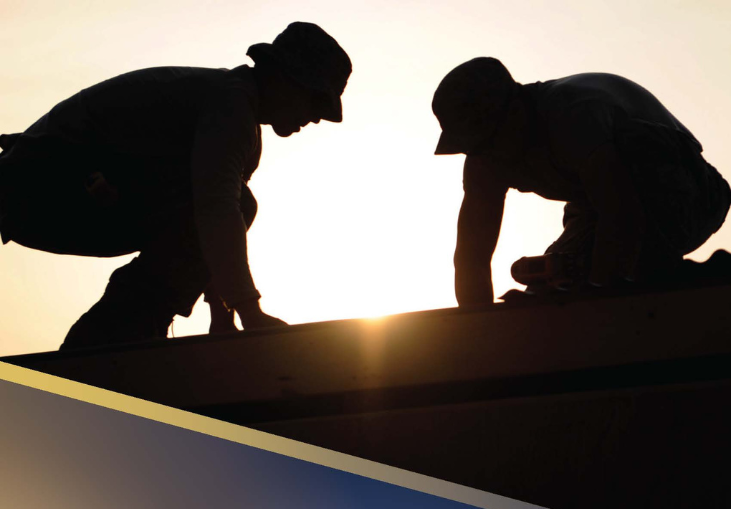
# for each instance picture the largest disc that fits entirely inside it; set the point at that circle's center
(359, 218)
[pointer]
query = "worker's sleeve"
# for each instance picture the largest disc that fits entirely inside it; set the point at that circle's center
(225, 137)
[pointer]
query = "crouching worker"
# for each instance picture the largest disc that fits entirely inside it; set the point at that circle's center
(157, 161)
(638, 193)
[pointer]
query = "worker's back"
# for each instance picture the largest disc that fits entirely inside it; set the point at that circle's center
(636, 101)
(146, 112)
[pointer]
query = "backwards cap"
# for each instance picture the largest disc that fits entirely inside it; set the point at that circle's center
(310, 56)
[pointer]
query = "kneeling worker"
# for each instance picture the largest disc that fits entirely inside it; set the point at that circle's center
(158, 161)
(639, 193)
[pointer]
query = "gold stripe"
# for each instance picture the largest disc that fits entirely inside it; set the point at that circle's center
(254, 438)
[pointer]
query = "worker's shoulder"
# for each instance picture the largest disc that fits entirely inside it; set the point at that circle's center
(594, 87)
(175, 87)
(195, 78)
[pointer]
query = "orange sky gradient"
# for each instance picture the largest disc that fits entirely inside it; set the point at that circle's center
(355, 219)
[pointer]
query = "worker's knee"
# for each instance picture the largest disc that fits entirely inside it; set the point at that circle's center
(171, 288)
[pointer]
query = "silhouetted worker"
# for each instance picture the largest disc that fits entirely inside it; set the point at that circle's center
(639, 193)
(157, 161)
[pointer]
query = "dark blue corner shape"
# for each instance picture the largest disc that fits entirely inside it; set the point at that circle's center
(60, 452)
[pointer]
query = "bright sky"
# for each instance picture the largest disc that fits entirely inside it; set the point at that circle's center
(359, 218)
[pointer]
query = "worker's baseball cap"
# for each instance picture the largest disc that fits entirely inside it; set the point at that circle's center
(470, 102)
(312, 58)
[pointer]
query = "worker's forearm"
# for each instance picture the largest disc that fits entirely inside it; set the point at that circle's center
(472, 282)
(222, 237)
(478, 228)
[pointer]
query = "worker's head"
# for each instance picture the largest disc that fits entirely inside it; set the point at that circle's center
(471, 103)
(302, 74)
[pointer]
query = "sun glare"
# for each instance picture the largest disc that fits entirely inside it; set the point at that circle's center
(356, 219)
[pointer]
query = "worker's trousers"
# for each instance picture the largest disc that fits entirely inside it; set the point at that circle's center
(685, 200)
(71, 200)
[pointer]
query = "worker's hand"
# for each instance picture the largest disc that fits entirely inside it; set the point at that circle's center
(252, 317)
(222, 319)
(517, 296)
(261, 320)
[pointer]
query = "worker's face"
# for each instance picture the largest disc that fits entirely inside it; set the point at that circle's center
(291, 106)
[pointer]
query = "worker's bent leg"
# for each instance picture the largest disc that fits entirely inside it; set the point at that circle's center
(47, 203)
(685, 198)
(143, 296)
(57, 198)
(658, 259)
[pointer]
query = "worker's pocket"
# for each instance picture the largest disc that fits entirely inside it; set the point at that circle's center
(149, 186)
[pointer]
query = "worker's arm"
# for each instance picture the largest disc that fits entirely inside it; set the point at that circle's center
(478, 229)
(225, 134)
(621, 219)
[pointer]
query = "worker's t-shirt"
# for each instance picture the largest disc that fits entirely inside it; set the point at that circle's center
(205, 118)
(576, 115)
(582, 112)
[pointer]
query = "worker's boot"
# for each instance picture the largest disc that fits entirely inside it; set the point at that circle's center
(143, 296)
(714, 271)
(108, 323)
